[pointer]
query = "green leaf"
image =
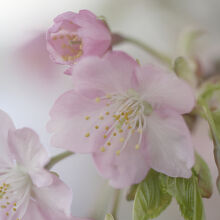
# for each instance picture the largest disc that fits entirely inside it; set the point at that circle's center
(204, 177)
(213, 121)
(131, 192)
(216, 118)
(185, 70)
(150, 199)
(109, 217)
(187, 194)
(209, 90)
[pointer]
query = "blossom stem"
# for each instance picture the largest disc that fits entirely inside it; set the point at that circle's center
(57, 159)
(158, 55)
(116, 202)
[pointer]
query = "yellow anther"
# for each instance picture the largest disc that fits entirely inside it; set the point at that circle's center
(117, 117)
(122, 139)
(102, 149)
(71, 58)
(130, 112)
(114, 133)
(106, 128)
(109, 143)
(96, 127)
(129, 127)
(97, 99)
(54, 38)
(107, 104)
(7, 213)
(8, 203)
(14, 204)
(137, 146)
(107, 113)
(3, 206)
(65, 58)
(101, 117)
(14, 209)
(118, 152)
(120, 130)
(105, 136)
(140, 131)
(122, 113)
(87, 117)
(108, 96)
(87, 134)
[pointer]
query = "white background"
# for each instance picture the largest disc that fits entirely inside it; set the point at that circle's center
(27, 92)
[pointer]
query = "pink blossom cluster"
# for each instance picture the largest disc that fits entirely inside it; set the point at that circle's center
(127, 116)
(27, 189)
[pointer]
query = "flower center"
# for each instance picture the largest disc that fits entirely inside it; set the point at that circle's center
(15, 187)
(128, 112)
(68, 45)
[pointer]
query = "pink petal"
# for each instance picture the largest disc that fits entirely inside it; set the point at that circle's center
(170, 144)
(93, 33)
(57, 196)
(40, 177)
(69, 126)
(130, 167)
(69, 15)
(20, 211)
(165, 89)
(112, 73)
(26, 148)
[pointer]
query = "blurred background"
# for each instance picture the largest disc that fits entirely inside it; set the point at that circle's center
(30, 82)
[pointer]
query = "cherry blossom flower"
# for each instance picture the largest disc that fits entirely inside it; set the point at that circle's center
(128, 117)
(74, 36)
(27, 190)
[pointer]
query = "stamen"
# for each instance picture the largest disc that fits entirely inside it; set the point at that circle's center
(118, 152)
(129, 116)
(108, 96)
(122, 139)
(97, 99)
(137, 146)
(102, 149)
(87, 134)
(120, 131)
(101, 118)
